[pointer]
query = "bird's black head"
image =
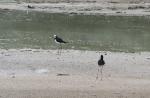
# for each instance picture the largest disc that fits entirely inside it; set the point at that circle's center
(101, 57)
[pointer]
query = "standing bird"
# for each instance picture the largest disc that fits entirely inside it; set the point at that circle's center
(101, 63)
(30, 7)
(59, 41)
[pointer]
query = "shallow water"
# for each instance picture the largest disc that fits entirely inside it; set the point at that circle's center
(22, 29)
(8, 1)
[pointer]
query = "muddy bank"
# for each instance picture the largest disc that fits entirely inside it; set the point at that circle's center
(85, 1)
(35, 73)
(124, 9)
(70, 62)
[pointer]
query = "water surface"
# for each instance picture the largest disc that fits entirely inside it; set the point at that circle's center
(22, 29)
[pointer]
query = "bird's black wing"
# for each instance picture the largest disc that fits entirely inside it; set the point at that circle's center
(101, 62)
(60, 40)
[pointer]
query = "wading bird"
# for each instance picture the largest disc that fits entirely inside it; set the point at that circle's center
(59, 41)
(101, 63)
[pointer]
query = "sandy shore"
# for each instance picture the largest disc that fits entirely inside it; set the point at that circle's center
(31, 73)
(125, 9)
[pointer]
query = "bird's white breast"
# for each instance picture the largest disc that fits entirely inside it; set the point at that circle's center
(56, 41)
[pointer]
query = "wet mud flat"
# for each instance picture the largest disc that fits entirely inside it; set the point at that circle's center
(36, 73)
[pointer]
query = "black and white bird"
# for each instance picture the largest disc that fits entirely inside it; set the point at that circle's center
(101, 63)
(59, 41)
(30, 7)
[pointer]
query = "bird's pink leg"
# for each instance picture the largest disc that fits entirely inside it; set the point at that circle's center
(101, 73)
(97, 74)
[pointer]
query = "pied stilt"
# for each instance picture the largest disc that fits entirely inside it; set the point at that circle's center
(101, 63)
(59, 41)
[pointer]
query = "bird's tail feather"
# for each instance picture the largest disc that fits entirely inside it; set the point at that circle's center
(65, 42)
